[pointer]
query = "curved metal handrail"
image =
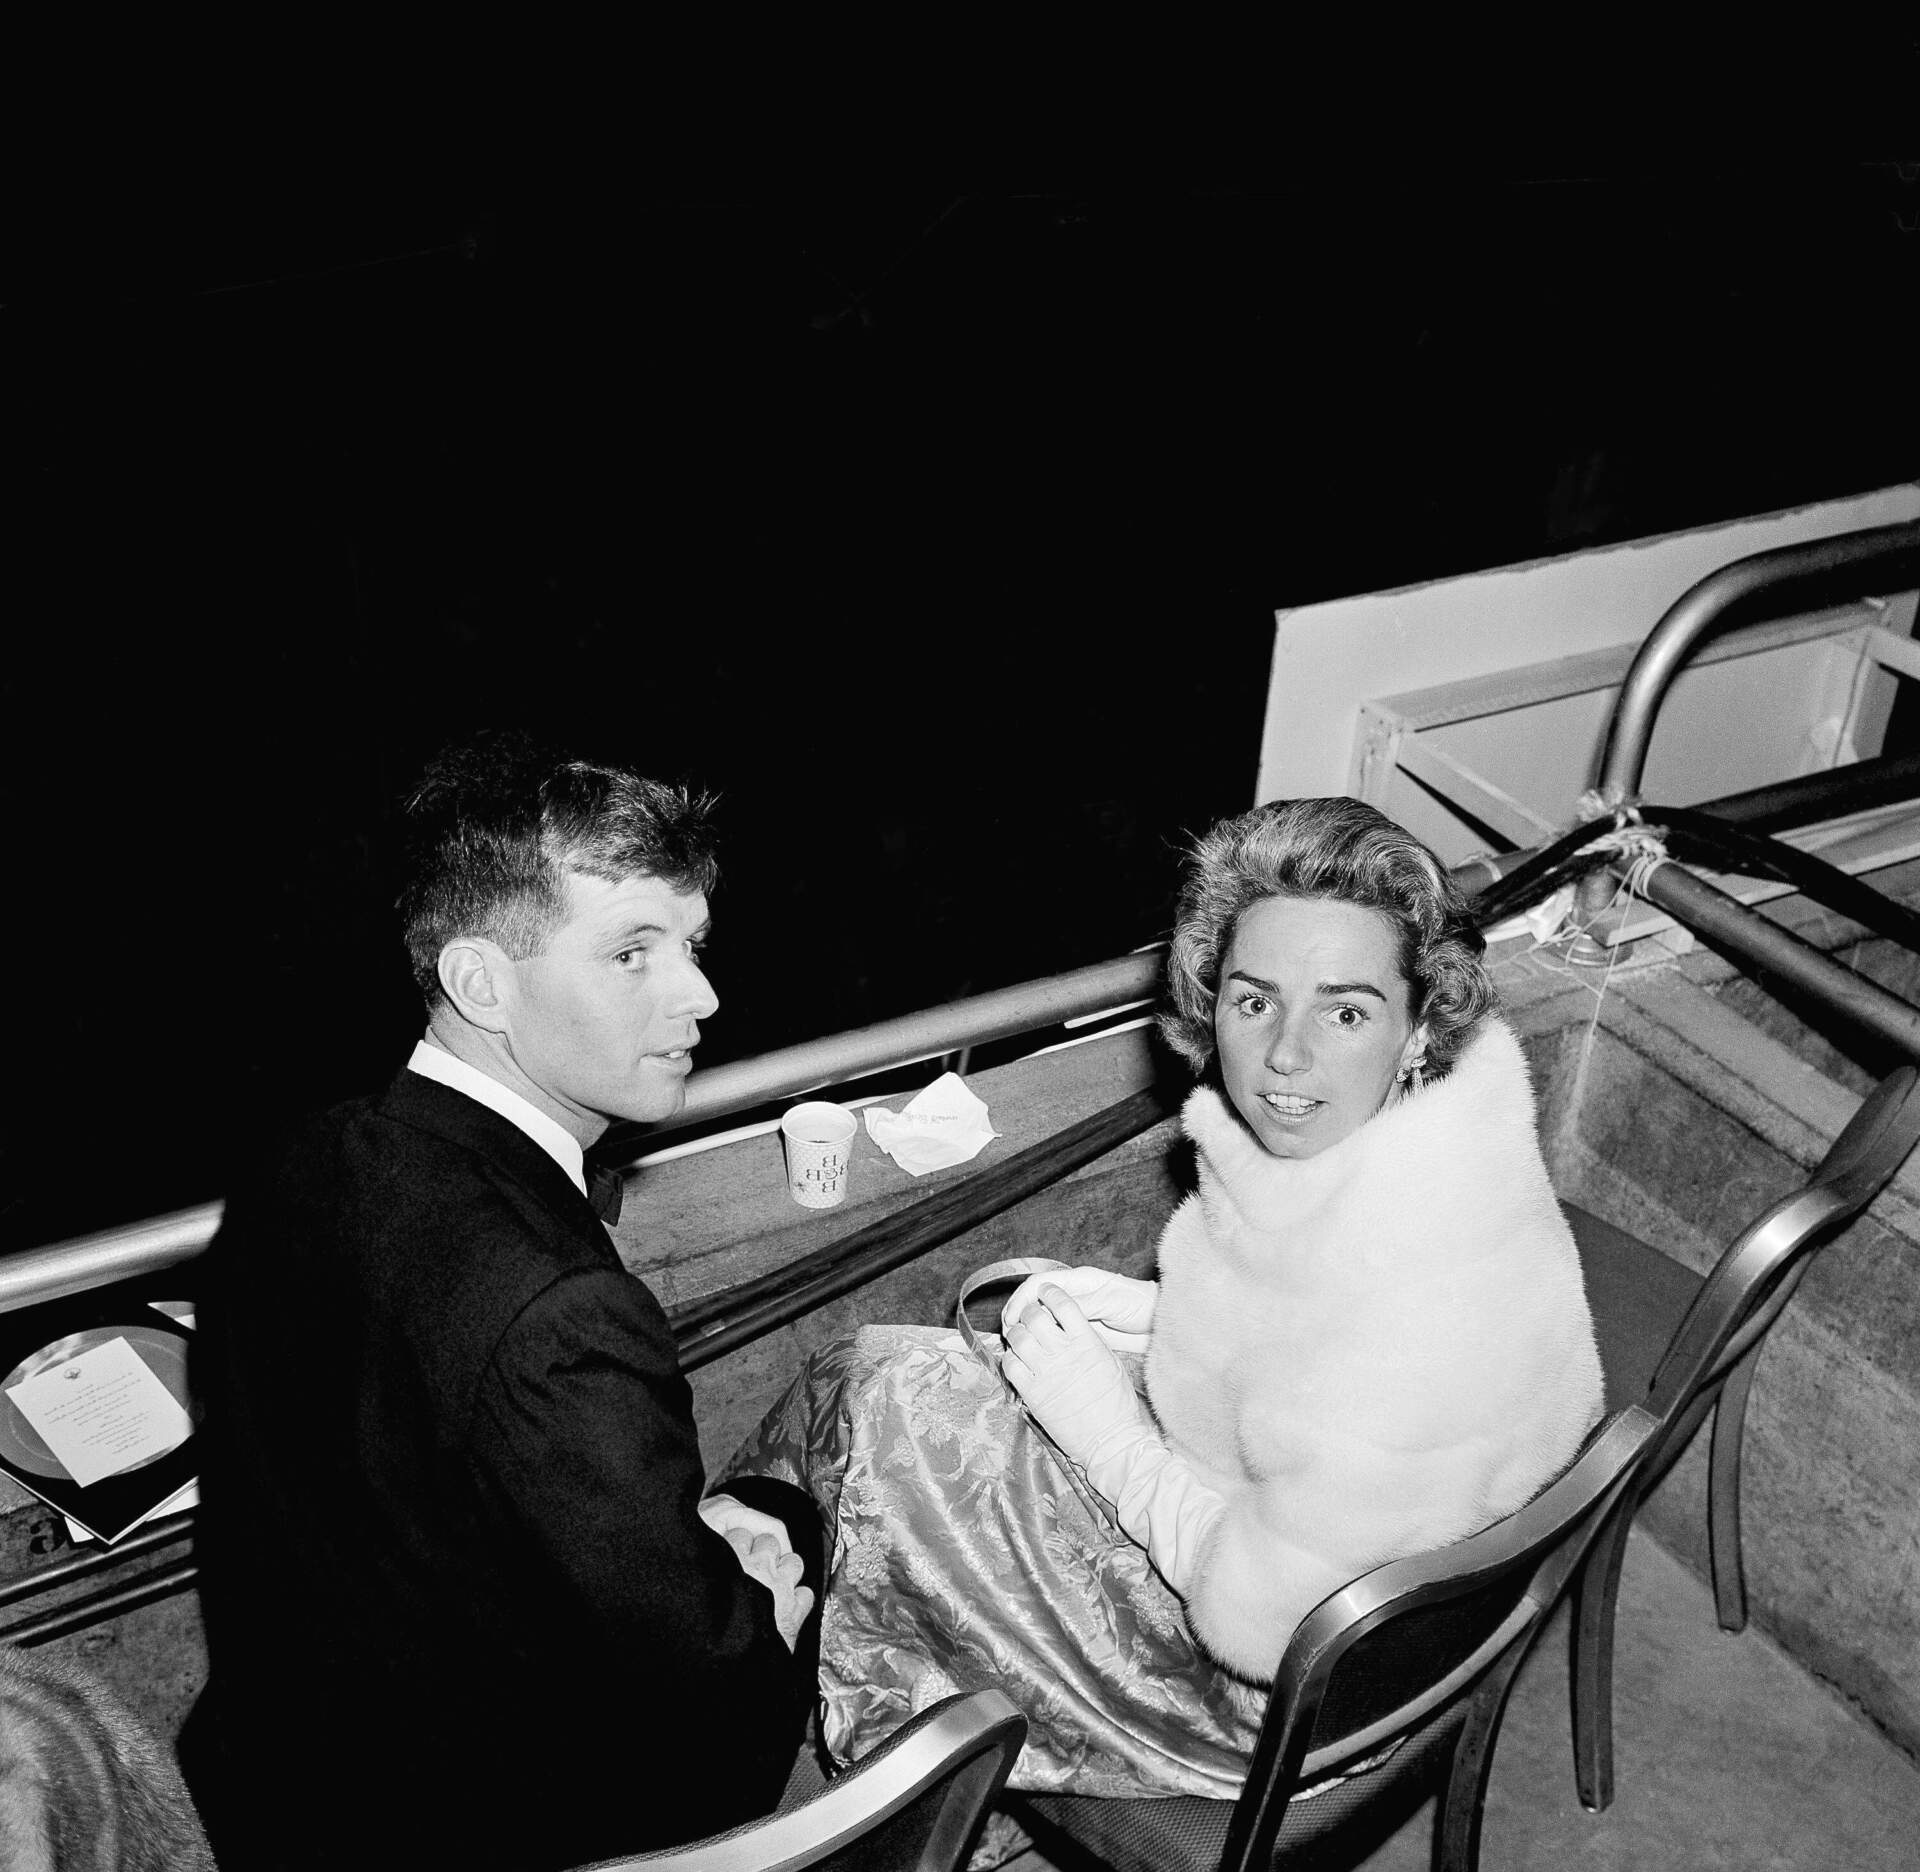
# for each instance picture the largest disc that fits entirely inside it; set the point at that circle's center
(1704, 608)
(1842, 564)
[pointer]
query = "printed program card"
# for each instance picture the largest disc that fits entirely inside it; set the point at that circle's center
(102, 1411)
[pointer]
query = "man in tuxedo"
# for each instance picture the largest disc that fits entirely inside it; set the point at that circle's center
(465, 1602)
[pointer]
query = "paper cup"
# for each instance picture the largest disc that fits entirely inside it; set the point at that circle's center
(819, 1143)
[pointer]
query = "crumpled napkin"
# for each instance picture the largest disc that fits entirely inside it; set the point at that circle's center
(1543, 922)
(945, 1124)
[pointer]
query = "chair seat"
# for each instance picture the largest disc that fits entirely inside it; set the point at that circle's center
(1187, 1834)
(805, 1780)
(1637, 1295)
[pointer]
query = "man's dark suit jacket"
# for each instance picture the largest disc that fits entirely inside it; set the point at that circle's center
(460, 1608)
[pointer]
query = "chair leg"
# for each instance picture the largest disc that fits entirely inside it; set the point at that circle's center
(1596, 1595)
(1723, 1494)
(1463, 1801)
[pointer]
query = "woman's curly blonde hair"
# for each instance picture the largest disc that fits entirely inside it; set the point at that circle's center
(1344, 850)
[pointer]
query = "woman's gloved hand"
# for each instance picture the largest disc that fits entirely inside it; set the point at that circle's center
(1080, 1394)
(1118, 1309)
(1064, 1371)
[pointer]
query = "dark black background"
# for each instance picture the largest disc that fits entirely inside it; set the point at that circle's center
(926, 491)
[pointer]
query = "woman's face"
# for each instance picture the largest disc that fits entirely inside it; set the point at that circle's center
(1312, 1021)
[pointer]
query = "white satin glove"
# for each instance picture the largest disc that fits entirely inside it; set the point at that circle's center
(1066, 1374)
(1120, 1310)
(1161, 1502)
(761, 1544)
(1080, 1394)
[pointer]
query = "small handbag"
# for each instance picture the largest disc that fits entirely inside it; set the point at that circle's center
(987, 1346)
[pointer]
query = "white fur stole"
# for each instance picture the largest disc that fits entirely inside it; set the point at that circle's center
(1372, 1351)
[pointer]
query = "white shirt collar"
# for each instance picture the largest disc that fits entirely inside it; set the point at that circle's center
(448, 1069)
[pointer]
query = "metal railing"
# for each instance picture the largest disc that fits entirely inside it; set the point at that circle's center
(931, 1033)
(149, 1247)
(99, 1590)
(1779, 956)
(1841, 566)
(133, 1249)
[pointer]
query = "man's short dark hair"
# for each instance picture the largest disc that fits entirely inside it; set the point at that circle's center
(498, 821)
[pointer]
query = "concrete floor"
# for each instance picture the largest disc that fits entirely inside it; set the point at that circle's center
(1726, 1755)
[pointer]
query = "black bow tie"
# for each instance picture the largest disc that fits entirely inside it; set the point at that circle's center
(604, 1190)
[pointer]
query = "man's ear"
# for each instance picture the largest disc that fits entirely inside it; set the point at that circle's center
(477, 978)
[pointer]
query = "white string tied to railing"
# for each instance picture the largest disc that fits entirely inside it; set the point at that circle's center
(1639, 848)
(1629, 839)
(1635, 848)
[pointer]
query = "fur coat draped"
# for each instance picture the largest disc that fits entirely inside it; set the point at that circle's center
(1371, 1352)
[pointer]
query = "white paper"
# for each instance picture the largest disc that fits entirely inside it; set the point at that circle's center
(945, 1124)
(183, 1498)
(102, 1411)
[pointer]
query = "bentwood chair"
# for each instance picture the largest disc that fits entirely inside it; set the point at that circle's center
(916, 1803)
(1418, 1657)
(1652, 1316)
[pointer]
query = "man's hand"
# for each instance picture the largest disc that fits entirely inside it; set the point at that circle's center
(761, 1558)
(1118, 1309)
(1068, 1377)
(723, 1514)
(761, 1545)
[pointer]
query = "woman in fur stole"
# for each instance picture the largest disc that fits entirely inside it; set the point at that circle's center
(1368, 1338)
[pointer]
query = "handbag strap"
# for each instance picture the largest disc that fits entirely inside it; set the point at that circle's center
(994, 1274)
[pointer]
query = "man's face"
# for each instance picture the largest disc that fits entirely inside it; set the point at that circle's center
(604, 1022)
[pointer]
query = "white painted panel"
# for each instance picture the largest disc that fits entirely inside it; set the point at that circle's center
(1723, 728)
(1330, 657)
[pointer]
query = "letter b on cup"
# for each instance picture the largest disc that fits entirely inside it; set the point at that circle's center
(819, 1143)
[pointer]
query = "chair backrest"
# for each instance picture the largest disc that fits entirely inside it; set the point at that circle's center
(1756, 1277)
(914, 1803)
(1382, 1657)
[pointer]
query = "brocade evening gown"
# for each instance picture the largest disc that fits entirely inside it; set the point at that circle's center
(963, 1555)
